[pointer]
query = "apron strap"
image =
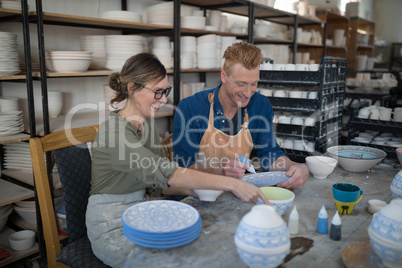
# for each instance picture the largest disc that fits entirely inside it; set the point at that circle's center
(245, 124)
(211, 109)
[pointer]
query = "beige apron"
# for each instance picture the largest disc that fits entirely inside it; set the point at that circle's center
(217, 146)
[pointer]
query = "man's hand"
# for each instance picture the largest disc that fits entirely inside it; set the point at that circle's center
(234, 169)
(299, 174)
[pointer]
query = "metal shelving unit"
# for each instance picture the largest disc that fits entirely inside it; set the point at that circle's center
(329, 81)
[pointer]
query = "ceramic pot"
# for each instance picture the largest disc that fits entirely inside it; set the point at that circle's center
(385, 234)
(262, 238)
(396, 185)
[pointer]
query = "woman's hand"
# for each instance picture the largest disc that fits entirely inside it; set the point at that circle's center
(234, 169)
(299, 174)
(249, 193)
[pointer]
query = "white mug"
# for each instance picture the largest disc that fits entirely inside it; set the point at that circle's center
(297, 121)
(295, 94)
(287, 143)
(298, 145)
(314, 67)
(364, 113)
(278, 67)
(266, 66)
(397, 115)
(283, 119)
(266, 92)
(290, 67)
(302, 67)
(280, 93)
(385, 113)
(310, 146)
(309, 121)
(374, 114)
(312, 95)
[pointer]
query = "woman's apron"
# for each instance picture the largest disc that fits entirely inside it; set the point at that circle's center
(105, 229)
(216, 146)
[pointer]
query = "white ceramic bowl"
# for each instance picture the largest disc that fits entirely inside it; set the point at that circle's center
(25, 204)
(69, 65)
(280, 198)
(356, 158)
(4, 217)
(375, 205)
(28, 214)
(208, 195)
(321, 166)
(22, 240)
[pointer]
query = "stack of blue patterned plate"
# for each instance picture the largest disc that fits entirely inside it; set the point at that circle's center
(161, 224)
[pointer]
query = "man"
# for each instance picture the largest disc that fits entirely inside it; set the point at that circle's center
(214, 127)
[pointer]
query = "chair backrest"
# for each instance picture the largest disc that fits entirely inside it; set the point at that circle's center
(38, 146)
(168, 147)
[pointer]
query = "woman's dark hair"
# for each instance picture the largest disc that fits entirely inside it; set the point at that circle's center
(141, 69)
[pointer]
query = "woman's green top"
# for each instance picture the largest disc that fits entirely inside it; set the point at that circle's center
(124, 160)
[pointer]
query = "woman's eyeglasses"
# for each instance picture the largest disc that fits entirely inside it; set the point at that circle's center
(159, 93)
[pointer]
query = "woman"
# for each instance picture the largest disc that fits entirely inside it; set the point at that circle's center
(128, 162)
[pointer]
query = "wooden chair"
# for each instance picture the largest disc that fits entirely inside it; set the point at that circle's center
(168, 147)
(74, 162)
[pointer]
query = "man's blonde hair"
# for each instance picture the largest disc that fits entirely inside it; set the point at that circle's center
(248, 55)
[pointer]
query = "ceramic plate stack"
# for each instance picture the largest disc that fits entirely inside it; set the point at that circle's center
(95, 44)
(11, 123)
(188, 52)
(9, 58)
(68, 61)
(123, 15)
(161, 49)
(121, 47)
(17, 156)
(161, 224)
(8, 104)
(11, 4)
(207, 46)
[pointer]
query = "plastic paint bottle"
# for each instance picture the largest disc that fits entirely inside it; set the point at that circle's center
(335, 232)
(322, 224)
(293, 223)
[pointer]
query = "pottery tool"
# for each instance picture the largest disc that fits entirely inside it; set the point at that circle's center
(245, 161)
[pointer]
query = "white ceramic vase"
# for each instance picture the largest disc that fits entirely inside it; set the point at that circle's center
(396, 185)
(55, 103)
(262, 238)
(385, 234)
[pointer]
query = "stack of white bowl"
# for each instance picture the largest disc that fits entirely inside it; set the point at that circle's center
(95, 44)
(9, 58)
(188, 52)
(121, 47)
(11, 123)
(162, 49)
(162, 14)
(195, 21)
(123, 15)
(68, 61)
(5, 211)
(17, 156)
(206, 51)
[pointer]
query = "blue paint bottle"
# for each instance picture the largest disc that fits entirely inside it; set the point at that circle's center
(322, 224)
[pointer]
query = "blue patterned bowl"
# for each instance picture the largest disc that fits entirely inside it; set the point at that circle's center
(356, 158)
(385, 233)
(281, 199)
(396, 185)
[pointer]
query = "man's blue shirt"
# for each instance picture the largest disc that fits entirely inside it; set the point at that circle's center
(191, 121)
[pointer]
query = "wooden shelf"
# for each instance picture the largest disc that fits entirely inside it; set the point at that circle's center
(6, 12)
(15, 255)
(13, 77)
(11, 193)
(81, 21)
(89, 73)
(14, 138)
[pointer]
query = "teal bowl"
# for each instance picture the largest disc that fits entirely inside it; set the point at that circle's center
(356, 158)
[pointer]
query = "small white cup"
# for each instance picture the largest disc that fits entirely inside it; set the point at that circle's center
(266, 66)
(302, 67)
(309, 121)
(310, 146)
(397, 115)
(314, 67)
(364, 113)
(290, 67)
(298, 145)
(283, 119)
(374, 114)
(278, 67)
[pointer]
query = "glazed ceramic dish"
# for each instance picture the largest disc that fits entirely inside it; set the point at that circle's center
(208, 195)
(161, 224)
(266, 178)
(280, 198)
(356, 158)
